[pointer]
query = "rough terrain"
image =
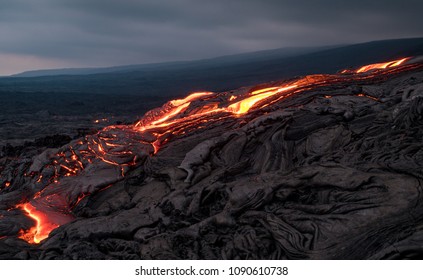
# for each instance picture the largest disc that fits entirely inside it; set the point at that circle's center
(333, 172)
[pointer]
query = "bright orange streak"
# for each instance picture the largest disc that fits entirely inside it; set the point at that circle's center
(178, 104)
(177, 117)
(383, 65)
(39, 178)
(171, 114)
(399, 62)
(80, 197)
(189, 98)
(167, 116)
(243, 106)
(156, 146)
(181, 120)
(114, 145)
(42, 226)
(67, 168)
(263, 90)
(240, 107)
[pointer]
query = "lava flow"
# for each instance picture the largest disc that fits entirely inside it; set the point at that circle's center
(383, 65)
(60, 179)
(42, 227)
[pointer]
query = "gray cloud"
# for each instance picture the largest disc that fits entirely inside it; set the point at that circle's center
(111, 32)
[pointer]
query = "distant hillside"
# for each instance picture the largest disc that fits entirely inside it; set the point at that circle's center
(217, 74)
(223, 60)
(93, 70)
(130, 86)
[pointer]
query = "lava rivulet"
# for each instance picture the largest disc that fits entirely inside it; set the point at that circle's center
(243, 106)
(383, 65)
(43, 224)
(60, 178)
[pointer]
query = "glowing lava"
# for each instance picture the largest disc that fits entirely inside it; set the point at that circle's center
(43, 226)
(173, 109)
(383, 65)
(64, 178)
(243, 106)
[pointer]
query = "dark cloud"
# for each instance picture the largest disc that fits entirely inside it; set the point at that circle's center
(110, 32)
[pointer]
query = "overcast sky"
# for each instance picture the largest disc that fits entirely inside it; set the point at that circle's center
(40, 34)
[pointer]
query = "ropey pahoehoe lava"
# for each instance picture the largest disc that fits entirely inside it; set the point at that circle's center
(55, 181)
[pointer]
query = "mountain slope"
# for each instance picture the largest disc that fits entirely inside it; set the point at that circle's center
(223, 60)
(216, 75)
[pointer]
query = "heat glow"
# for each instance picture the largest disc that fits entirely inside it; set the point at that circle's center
(117, 149)
(246, 104)
(42, 227)
(383, 65)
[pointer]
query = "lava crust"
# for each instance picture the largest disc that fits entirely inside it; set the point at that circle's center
(320, 167)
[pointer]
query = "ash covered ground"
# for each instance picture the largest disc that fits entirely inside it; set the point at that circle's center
(330, 172)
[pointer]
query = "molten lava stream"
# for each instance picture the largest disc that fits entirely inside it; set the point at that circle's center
(45, 222)
(382, 65)
(42, 227)
(123, 146)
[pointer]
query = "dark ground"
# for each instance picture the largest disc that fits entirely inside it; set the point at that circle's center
(326, 174)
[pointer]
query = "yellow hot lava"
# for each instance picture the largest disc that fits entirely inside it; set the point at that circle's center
(178, 106)
(42, 227)
(383, 65)
(158, 126)
(243, 106)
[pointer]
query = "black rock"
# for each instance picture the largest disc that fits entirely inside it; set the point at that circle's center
(329, 173)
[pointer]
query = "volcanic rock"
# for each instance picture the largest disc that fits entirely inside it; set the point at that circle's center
(330, 172)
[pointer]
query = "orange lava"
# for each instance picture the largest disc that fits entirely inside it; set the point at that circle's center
(169, 117)
(383, 65)
(191, 97)
(243, 106)
(42, 227)
(157, 127)
(174, 108)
